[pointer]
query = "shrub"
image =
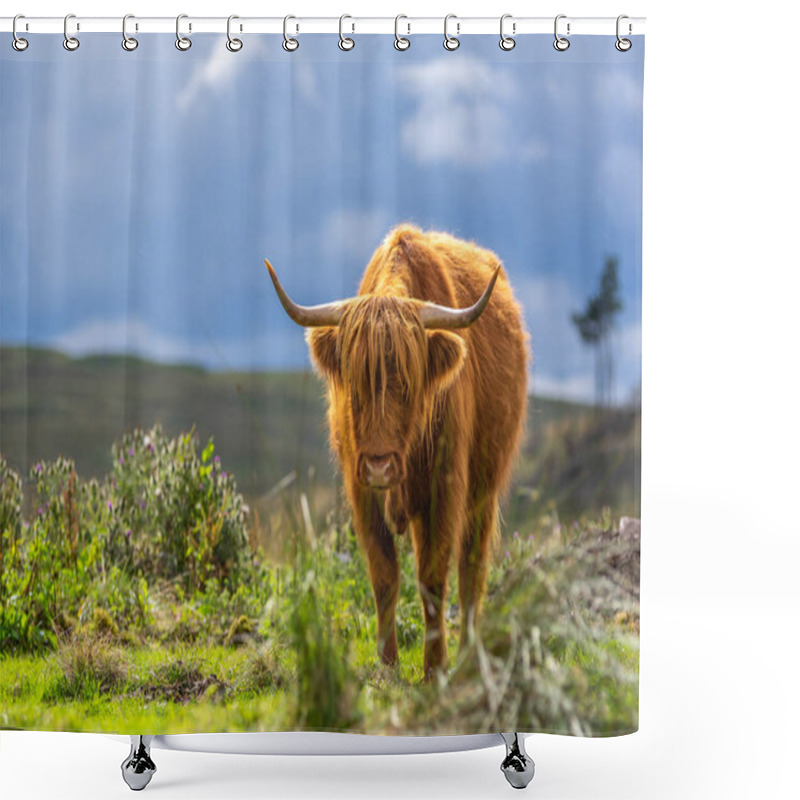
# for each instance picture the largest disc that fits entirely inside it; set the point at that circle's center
(175, 513)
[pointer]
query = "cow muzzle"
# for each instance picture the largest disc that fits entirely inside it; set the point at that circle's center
(380, 471)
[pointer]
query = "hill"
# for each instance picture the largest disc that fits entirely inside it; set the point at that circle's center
(266, 425)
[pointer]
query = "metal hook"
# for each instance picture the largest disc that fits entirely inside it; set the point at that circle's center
(289, 44)
(70, 42)
(128, 42)
(400, 42)
(18, 43)
(507, 42)
(561, 43)
(623, 45)
(181, 42)
(345, 43)
(234, 45)
(451, 42)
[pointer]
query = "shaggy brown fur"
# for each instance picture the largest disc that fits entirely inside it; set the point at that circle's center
(440, 411)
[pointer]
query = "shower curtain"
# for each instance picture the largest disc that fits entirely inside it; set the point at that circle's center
(320, 380)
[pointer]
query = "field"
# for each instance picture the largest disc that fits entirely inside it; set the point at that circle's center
(201, 573)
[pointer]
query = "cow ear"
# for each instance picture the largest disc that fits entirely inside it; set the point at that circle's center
(324, 351)
(446, 354)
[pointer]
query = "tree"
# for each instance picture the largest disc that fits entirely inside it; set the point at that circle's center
(594, 326)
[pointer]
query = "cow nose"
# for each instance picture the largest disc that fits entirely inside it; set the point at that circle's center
(379, 470)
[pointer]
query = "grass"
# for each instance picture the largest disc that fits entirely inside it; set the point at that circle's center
(283, 635)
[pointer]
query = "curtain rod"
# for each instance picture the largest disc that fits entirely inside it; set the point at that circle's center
(514, 26)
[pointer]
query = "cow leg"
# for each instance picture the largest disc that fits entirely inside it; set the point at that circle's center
(377, 543)
(433, 547)
(473, 563)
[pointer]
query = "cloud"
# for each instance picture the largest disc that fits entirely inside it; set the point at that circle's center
(577, 388)
(212, 75)
(618, 89)
(461, 114)
(276, 347)
(352, 233)
(131, 336)
(619, 173)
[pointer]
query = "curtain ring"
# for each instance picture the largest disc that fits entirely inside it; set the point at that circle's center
(623, 45)
(181, 42)
(128, 42)
(561, 43)
(18, 43)
(400, 42)
(345, 43)
(451, 42)
(234, 45)
(507, 42)
(289, 44)
(70, 42)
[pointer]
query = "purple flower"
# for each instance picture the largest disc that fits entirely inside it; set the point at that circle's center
(131, 451)
(508, 555)
(41, 512)
(143, 504)
(38, 467)
(100, 568)
(110, 506)
(151, 447)
(128, 533)
(121, 459)
(530, 537)
(224, 474)
(216, 459)
(516, 534)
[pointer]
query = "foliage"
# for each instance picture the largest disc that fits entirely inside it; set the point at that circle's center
(235, 641)
(163, 513)
(549, 657)
(174, 513)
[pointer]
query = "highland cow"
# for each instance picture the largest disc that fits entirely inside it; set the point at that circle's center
(427, 385)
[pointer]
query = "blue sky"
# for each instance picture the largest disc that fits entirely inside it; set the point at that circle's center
(140, 192)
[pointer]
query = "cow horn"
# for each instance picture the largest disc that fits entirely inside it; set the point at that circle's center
(325, 315)
(441, 317)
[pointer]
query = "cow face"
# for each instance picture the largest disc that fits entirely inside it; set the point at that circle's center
(385, 369)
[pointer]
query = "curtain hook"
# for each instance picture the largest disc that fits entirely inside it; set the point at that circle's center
(18, 43)
(561, 43)
(289, 44)
(234, 45)
(181, 42)
(451, 42)
(507, 42)
(623, 45)
(345, 43)
(400, 42)
(70, 42)
(128, 42)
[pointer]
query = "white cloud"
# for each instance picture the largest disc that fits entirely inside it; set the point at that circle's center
(351, 233)
(618, 89)
(619, 175)
(131, 336)
(461, 114)
(305, 81)
(577, 388)
(212, 75)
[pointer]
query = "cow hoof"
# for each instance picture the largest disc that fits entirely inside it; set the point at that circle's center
(138, 768)
(517, 766)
